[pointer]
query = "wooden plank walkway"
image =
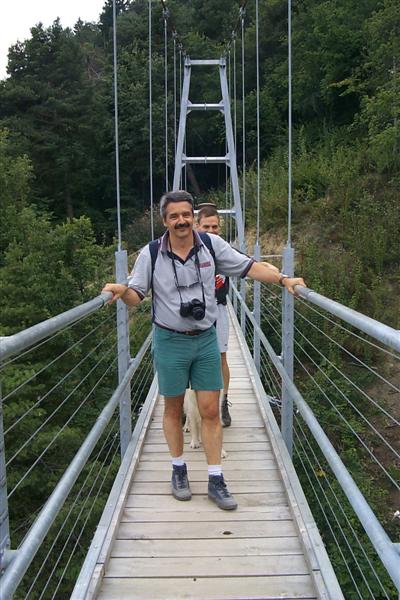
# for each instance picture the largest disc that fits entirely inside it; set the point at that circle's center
(164, 549)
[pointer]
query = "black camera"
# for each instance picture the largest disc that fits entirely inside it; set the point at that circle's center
(195, 308)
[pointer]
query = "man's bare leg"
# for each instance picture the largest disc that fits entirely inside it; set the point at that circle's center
(211, 430)
(172, 424)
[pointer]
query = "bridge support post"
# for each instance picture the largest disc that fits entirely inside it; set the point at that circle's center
(4, 522)
(257, 311)
(125, 418)
(287, 350)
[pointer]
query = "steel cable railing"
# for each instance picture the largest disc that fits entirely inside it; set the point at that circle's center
(319, 475)
(65, 384)
(60, 528)
(324, 362)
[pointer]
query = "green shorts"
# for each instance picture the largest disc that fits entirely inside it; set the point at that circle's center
(182, 360)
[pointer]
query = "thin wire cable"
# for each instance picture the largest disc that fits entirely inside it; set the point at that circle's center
(42, 342)
(258, 127)
(230, 177)
(242, 15)
(367, 396)
(151, 123)
(116, 128)
(325, 358)
(180, 102)
(348, 522)
(373, 371)
(275, 382)
(36, 404)
(21, 385)
(62, 428)
(327, 519)
(310, 307)
(234, 91)
(165, 15)
(83, 526)
(350, 427)
(61, 526)
(370, 425)
(289, 239)
(175, 95)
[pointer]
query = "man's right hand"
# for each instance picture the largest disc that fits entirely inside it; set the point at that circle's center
(117, 289)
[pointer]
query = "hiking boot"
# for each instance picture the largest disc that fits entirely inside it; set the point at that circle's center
(219, 493)
(180, 483)
(225, 416)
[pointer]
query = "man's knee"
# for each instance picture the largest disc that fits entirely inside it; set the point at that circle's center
(173, 407)
(208, 403)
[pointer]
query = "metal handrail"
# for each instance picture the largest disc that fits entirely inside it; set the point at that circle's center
(26, 552)
(381, 332)
(383, 545)
(11, 344)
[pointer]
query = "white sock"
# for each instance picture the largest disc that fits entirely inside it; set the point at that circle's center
(214, 470)
(178, 461)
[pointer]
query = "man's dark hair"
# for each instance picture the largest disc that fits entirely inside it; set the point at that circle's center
(208, 210)
(178, 196)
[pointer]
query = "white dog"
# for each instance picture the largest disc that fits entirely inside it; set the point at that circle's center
(193, 420)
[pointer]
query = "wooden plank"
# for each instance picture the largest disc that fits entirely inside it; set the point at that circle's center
(228, 445)
(235, 487)
(226, 547)
(222, 566)
(297, 587)
(203, 503)
(264, 513)
(256, 434)
(200, 474)
(198, 455)
(249, 422)
(237, 465)
(181, 531)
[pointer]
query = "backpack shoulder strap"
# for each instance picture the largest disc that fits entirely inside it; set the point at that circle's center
(154, 248)
(206, 239)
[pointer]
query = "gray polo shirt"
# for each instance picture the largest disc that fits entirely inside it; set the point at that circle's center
(166, 299)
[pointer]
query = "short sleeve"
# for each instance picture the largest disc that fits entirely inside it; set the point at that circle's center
(140, 277)
(229, 261)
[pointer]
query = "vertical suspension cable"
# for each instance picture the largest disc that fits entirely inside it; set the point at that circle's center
(165, 14)
(234, 88)
(180, 98)
(151, 127)
(289, 240)
(242, 15)
(116, 128)
(229, 179)
(258, 128)
(175, 96)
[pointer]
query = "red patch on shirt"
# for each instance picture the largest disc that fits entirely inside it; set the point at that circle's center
(205, 264)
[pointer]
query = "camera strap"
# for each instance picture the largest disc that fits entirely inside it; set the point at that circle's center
(197, 264)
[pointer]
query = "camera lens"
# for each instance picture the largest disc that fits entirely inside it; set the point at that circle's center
(198, 309)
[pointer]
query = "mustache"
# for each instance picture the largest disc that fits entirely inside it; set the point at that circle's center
(182, 226)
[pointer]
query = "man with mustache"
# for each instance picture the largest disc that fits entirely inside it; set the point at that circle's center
(185, 348)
